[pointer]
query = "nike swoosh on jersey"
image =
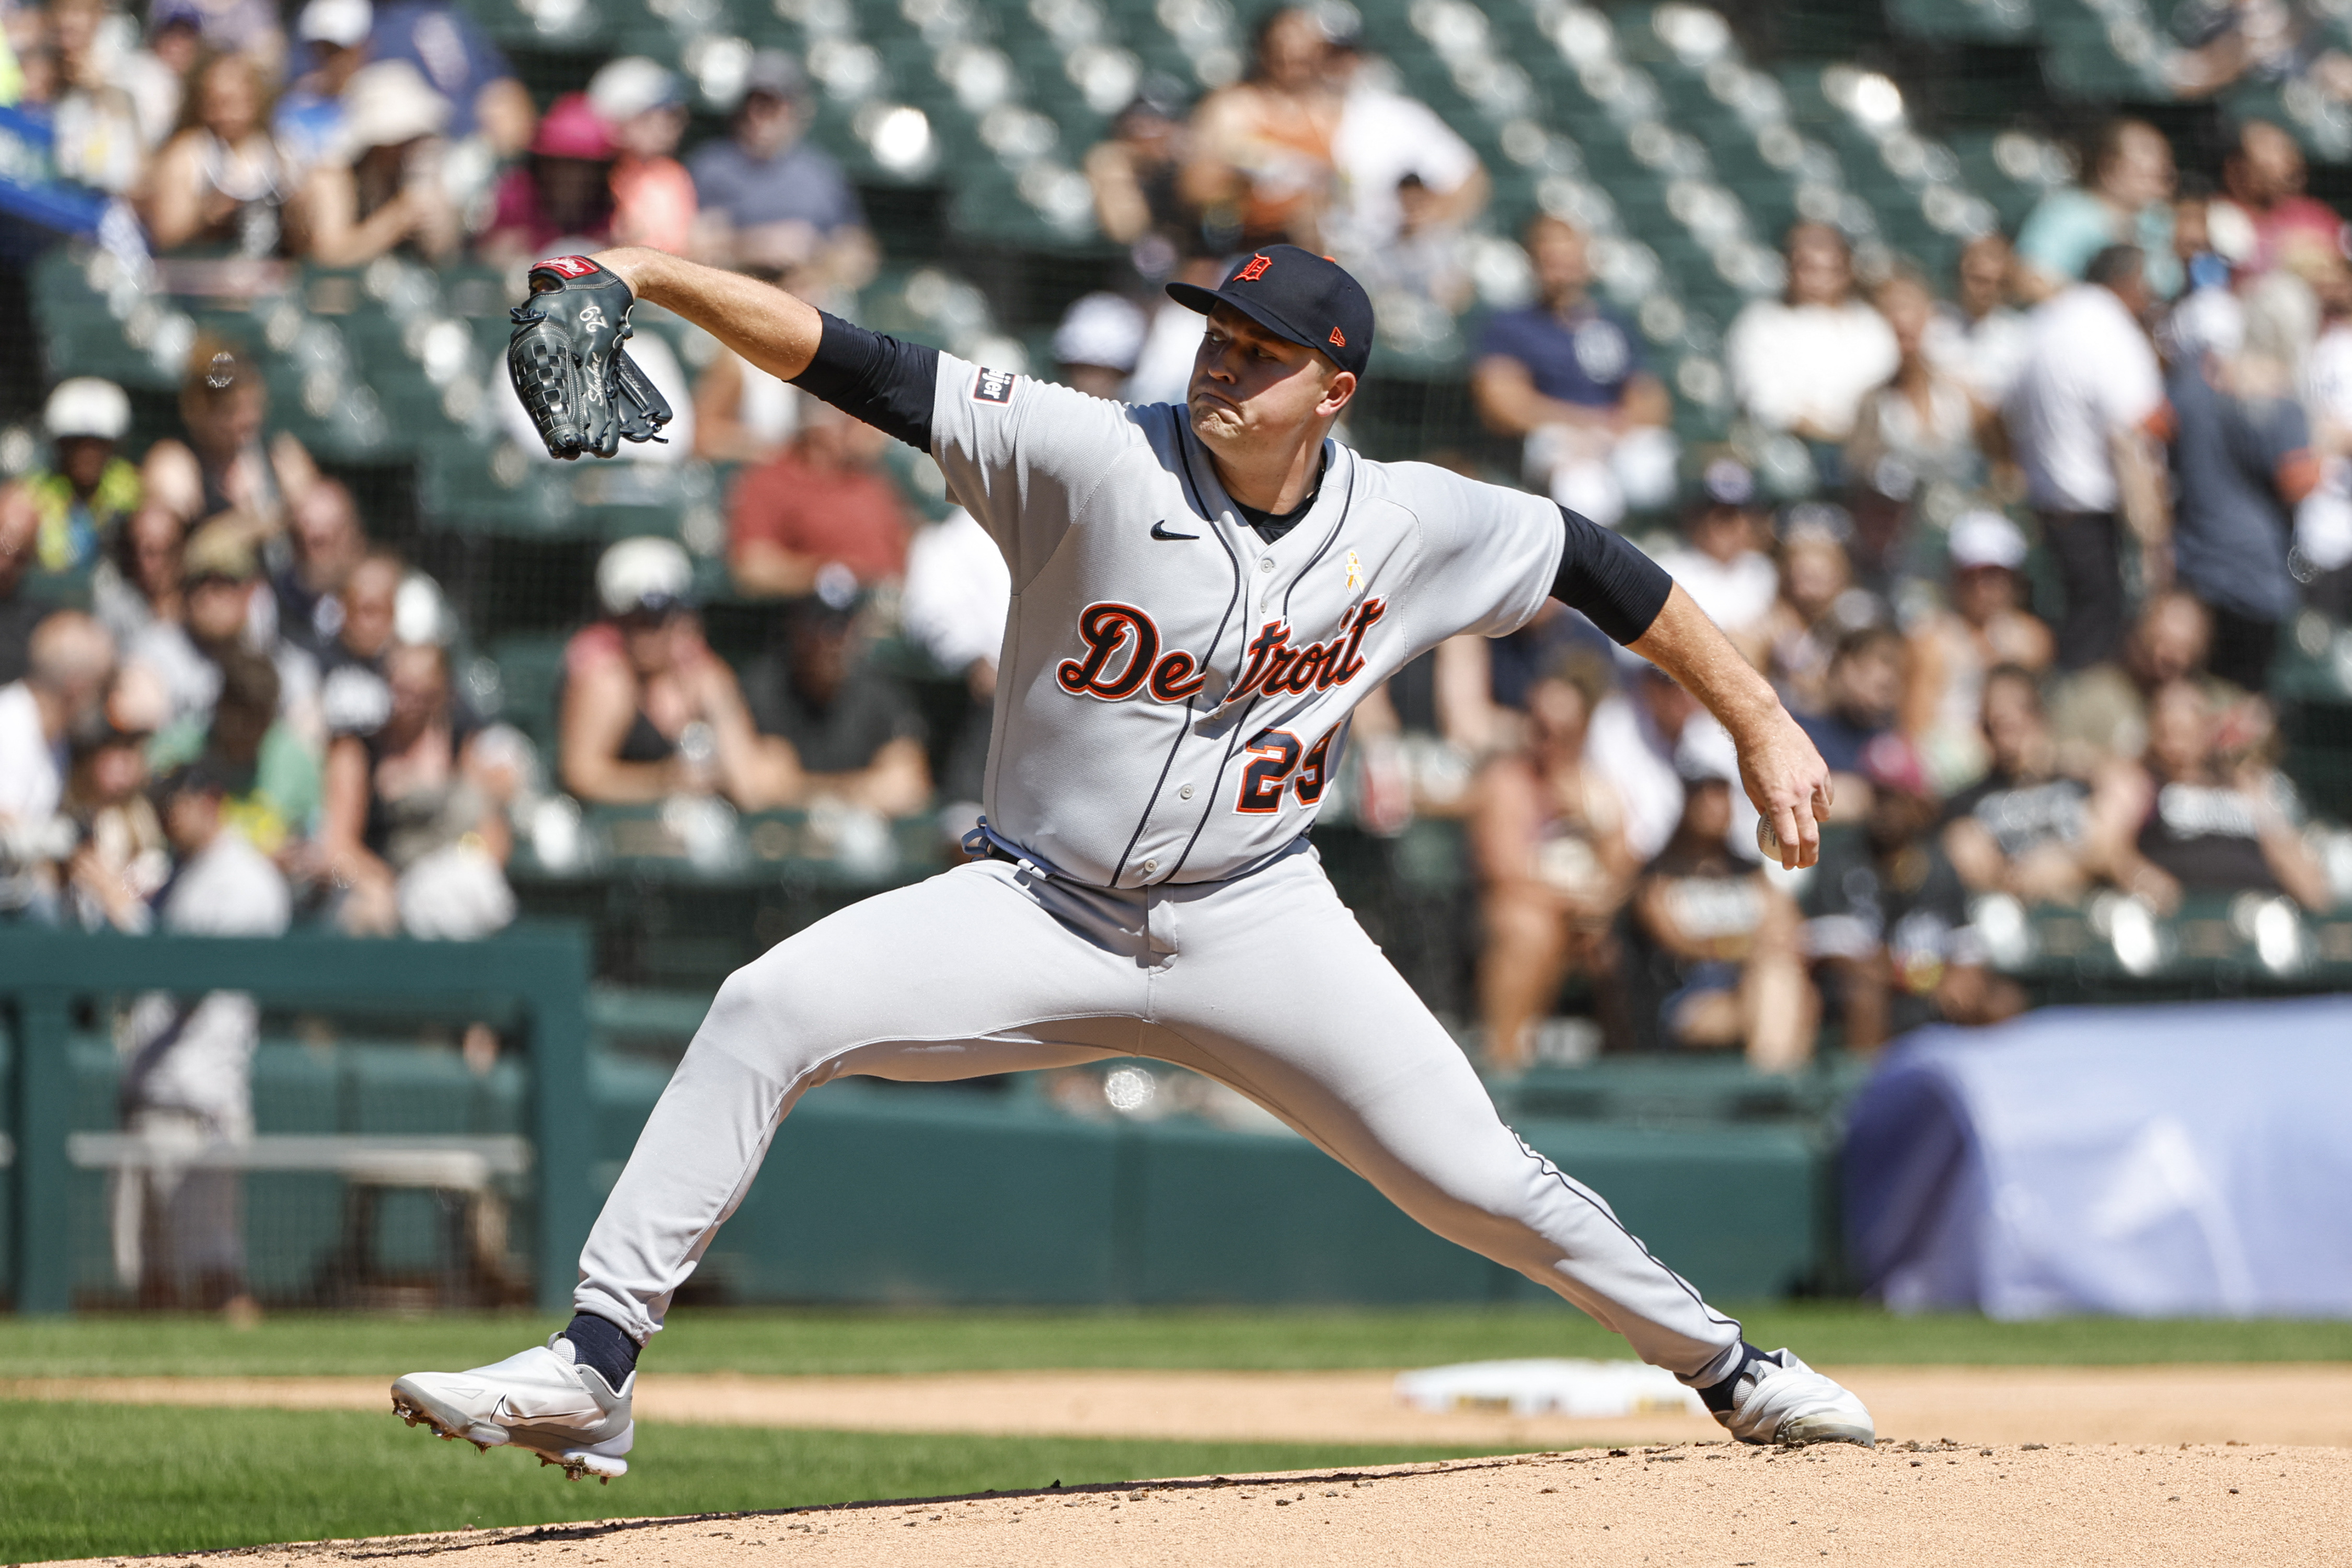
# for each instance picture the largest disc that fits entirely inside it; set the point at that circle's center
(1160, 530)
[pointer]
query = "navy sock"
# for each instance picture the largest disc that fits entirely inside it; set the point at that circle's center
(1716, 1396)
(598, 1343)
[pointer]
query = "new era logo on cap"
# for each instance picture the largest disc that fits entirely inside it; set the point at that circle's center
(1297, 295)
(569, 266)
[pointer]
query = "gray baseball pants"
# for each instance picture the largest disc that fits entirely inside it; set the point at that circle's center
(1265, 983)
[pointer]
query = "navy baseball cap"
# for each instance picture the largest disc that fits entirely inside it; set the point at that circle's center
(1298, 296)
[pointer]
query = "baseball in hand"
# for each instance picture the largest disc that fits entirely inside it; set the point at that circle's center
(1767, 842)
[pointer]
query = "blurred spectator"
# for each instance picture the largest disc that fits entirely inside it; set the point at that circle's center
(2208, 821)
(824, 500)
(2323, 523)
(2127, 202)
(219, 183)
(62, 691)
(78, 503)
(187, 1072)
(957, 594)
(742, 414)
(2085, 418)
(138, 582)
(1923, 428)
(94, 124)
(1887, 916)
(1712, 954)
(648, 711)
(1803, 364)
(1133, 172)
(2101, 713)
(230, 461)
(19, 611)
(558, 199)
(2263, 176)
(2242, 463)
(156, 77)
(326, 543)
(1977, 336)
(310, 118)
(1951, 648)
(220, 573)
(2024, 828)
(267, 766)
(1547, 835)
(249, 27)
(1097, 343)
(652, 195)
(354, 695)
(1865, 691)
(1641, 740)
(413, 826)
(1818, 605)
(1719, 564)
(380, 189)
(1427, 264)
(487, 104)
(854, 736)
(1260, 170)
(1566, 376)
(771, 197)
(2276, 44)
(123, 859)
(1385, 139)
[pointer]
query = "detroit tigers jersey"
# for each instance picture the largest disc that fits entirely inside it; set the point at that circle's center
(1173, 691)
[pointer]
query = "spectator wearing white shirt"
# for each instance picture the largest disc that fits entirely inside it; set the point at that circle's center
(187, 1080)
(1803, 364)
(1719, 563)
(2083, 420)
(2323, 523)
(70, 661)
(1977, 336)
(1382, 137)
(1640, 739)
(957, 596)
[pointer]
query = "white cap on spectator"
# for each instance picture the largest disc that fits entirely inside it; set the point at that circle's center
(85, 405)
(631, 86)
(1101, 329)
(421, 612)
(1985, 539)
(345, 24)
(646, 572)
(389, 102)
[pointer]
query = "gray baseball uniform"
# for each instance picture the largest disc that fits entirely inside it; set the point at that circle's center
(1172, 697)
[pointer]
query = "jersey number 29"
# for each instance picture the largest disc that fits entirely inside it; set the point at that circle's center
(1272, 758)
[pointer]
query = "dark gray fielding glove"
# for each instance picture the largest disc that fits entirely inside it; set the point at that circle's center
(575, 380)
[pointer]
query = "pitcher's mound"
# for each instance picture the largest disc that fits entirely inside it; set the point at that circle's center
(1917, 1505)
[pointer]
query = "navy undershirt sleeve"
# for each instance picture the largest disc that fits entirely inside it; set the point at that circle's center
(1619, 589)
(888, 383)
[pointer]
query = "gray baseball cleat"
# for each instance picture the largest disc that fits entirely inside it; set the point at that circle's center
(542, 1400)
(1780, 1399)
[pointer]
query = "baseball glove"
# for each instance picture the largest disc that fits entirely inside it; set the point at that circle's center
(576, 381)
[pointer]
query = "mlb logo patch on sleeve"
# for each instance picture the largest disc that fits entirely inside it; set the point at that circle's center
(994, 387)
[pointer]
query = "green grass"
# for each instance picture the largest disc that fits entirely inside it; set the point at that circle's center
(749, 1341)
(86, 1480)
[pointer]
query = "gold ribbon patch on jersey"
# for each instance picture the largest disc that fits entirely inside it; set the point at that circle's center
(1355, 571)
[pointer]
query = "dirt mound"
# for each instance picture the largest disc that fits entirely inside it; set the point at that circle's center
(1919, 1506)
(2279, 1404)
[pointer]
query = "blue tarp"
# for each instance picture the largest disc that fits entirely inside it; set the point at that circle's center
(2189, 1160)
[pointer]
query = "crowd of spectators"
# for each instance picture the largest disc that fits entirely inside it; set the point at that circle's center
(2017, 546)
(2058, 525)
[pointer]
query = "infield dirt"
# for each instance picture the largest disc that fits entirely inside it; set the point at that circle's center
(1919, 1506)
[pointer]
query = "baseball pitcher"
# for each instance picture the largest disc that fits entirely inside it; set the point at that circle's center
(1200, 596)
